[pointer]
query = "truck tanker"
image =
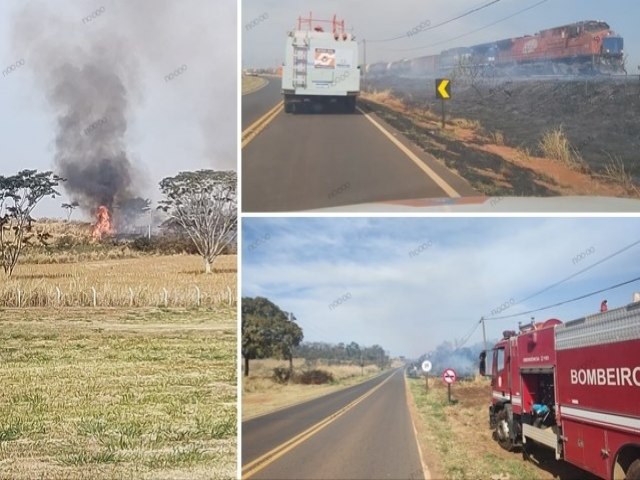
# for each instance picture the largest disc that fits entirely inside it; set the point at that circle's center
(320, 67)
(571, 387)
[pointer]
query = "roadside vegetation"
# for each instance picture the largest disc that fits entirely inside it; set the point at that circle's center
(458, 443)
(279, 369)
(118, 393)
(501, 160)
(252, 83)
(458, 434)
(262, 392)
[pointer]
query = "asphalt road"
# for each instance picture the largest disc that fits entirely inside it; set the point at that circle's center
(372, 439)
(256, 104)
(320, 160)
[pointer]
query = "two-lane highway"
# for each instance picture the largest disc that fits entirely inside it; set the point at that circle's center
(318, 160)
(364, 431)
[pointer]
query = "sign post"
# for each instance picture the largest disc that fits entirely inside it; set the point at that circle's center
(449, 377)
(426, 368)
(443, 92)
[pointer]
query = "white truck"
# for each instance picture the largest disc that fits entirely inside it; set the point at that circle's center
(320, 67)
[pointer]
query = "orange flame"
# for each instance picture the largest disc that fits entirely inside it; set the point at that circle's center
(103, 225)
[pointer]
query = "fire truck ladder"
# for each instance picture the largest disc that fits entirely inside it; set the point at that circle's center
(300, 52)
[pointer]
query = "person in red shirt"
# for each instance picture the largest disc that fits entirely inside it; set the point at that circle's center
(603, 306)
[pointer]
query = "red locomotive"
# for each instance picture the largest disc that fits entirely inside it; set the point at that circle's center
(582, 48)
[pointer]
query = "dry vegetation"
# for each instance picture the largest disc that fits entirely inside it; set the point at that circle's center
(555, 145)
(554, 168)
(115, 393)
(458, 442)
(122, 283)
(252, 83)
(261, 394)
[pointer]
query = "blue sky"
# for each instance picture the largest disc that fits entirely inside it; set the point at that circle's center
(460, 269)
(185, 124)
(263, 45)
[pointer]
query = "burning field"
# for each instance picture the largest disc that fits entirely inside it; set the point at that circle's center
(520, 137)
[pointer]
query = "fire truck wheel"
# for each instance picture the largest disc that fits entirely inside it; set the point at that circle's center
(503, 430)
(633, 472)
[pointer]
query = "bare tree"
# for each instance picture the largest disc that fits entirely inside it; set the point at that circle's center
(203, 204)
(19, 195)
(70, 207)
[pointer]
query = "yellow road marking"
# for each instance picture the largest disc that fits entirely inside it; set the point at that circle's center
(448, 189)
(256, 127)
(271, 456)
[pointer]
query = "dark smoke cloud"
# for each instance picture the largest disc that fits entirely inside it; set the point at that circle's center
(90, 147)
(93, 62)
(87, 74)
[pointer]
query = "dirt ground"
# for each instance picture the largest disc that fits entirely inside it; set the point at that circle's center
(600, 117)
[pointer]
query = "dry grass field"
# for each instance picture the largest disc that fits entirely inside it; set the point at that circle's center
(261, 394)
(118, 393)
(145, 281)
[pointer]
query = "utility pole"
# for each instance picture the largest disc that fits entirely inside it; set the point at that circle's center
(484, 333)
(364, 66)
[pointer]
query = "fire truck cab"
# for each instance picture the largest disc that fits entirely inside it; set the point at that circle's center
(572, 387)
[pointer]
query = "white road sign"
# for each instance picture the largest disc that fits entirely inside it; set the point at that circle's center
(426, 366)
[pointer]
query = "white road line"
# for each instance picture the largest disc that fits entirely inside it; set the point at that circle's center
(448, 189)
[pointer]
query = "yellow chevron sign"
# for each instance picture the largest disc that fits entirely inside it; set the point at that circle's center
(443, 88)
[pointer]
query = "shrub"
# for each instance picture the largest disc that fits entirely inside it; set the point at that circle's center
(314, 377)
(281, 375)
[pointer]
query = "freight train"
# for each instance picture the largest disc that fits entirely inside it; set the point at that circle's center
(583, 48)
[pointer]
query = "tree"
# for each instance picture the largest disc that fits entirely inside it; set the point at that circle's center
(267, 331)
(19, 195)
(289, 335)
(203, 203)
(70, 207)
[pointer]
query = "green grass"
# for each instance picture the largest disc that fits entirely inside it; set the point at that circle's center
(118, 393)
(455, 433)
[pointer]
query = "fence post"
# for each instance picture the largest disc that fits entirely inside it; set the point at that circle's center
(197, 296)
(95, 299)
(59, 294)
(130, 297)
(165, 296)
(19, 299)
(230, 295)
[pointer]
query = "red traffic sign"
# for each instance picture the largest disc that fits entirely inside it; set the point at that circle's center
(449, 376)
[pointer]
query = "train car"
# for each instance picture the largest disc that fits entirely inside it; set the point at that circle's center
(425, 66)
(583, 47)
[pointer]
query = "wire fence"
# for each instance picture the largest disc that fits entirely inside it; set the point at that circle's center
(116, 296)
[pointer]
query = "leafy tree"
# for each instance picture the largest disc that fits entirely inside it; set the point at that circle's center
(203, 203)
(267, 331)
(289, 335)
(19, 195)
(70, 207)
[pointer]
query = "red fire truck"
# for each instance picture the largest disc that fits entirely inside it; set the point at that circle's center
(573, 387)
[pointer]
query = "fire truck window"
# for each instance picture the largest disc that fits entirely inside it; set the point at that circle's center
(499, 360)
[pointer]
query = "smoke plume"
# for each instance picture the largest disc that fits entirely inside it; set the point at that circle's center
(88, 78)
